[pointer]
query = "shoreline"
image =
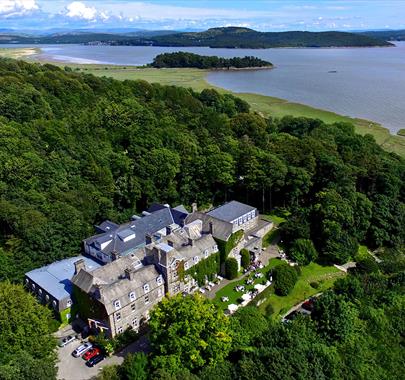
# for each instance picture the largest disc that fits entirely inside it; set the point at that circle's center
(197, 80)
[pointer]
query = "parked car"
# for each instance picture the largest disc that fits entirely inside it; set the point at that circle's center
(94, 360)
(308, 305)
(65, 341)
(91, 353)
(79, 351)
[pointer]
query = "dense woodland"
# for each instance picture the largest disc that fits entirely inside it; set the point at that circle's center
(76, 149)
(355, 332)
(184, 59)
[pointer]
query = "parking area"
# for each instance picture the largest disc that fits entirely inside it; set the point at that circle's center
(71, 368)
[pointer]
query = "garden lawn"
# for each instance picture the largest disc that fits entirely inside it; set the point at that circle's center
(228, 290)
(324, 276)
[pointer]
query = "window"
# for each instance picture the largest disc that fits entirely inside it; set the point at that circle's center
(33, 286)
(146, 288)
(69, 303)
(176, 288)
(54, 304)
(160, 292)
(117, 304)
(244, 218)
(132, 296)
(133, 307)
(206, 253)
(159, 280)
(40, 291)
(186, 265)
(68, 316)
(146, 300)
(119, 330)
(240, 221)
(195, 259)
(215, 248)
(47, 298)
(253, 213)
(117, 316)
(135, 322)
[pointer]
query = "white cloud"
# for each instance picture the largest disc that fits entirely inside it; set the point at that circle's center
(79, 10)
(15, 8)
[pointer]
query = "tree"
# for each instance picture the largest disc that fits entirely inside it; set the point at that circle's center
(303, 251)
(188, 332)
(367, 265)
(231, 268)
(25, 333)
(285, 277)
(135, 366)
(244, 258)
(336, 318)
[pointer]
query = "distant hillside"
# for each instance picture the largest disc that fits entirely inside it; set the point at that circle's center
(387, 35)
(230, 37)
(233, 37)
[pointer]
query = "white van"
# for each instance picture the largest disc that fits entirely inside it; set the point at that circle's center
(79, 351)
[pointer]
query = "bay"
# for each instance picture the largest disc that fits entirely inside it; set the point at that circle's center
(366, 83)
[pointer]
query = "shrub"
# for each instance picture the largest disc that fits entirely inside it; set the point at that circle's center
(269, 309)
(231, 268)
(285, 278)
(303, 251)
(314, 284)
(367, 265)
(245, 258)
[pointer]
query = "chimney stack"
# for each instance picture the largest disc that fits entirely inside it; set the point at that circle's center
(194, 207)
(115, 255)
(211, 228)
(129, 273)
(170, 243)
(79, 264)
(148, 239)
(190, 241)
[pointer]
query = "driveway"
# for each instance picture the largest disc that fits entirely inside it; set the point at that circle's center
(71, 368)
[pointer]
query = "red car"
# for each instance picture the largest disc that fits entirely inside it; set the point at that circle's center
(91, 353)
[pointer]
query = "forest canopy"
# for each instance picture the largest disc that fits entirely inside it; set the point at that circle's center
(76, 149)
(184, 59)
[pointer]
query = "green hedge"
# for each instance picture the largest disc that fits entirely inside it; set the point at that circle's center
(231, 268)
(205, 268)
(244, 258)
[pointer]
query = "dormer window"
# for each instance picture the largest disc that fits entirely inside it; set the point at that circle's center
(117, 304)
(186, 265)
(206, 253)
(47, 298)
(40, 291)
(132, 296)
(195, 259)
(215, 248)
(146, 288)
(54, 304)
(159, 280)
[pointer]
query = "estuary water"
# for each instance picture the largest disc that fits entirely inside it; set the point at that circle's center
(367, 83)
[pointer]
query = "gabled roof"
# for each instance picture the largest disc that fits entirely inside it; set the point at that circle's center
(230, 211)
(121, 239)
(55, 278)
(112, 284)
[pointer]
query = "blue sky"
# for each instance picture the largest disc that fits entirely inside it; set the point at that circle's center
(265, 15)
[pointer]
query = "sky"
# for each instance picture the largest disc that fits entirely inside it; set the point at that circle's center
(264, 15)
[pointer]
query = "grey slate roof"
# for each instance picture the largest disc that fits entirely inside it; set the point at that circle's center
(113, 283)
(55, 278)
(159, 218)
(230, 211)
(221, 229)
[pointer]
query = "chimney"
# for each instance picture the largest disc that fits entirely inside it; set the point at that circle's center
(115, 255)
(170, 243)
(97, 291)
(194, 207)
(211, 228)
(129, 273)
(190, 241)
(168, 230)
(148, 239)
(79, 264)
